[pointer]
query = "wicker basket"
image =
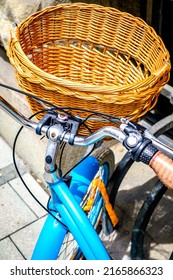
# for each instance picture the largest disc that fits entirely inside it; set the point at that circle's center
(89, 56)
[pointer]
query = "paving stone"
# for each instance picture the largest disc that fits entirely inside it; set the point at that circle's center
(26, 238)
(14, 214)
(7, 169)
(7, 173)
(6, 154)
(35, 188)
(8, 250)
(160, 251)
(153, 250)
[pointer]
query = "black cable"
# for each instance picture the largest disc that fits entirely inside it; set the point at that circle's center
(41, 100)
(17, 170)
(63, 109)
(107, 117)
(29, 95)
(104, 116)
(20, 176)
(60, 158)
(79, 161)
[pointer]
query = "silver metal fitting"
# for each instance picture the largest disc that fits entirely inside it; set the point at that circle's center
(55, 132)
(132, 141)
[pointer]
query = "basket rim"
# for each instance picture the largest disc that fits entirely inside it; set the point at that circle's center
(91, 87)
(78, 85)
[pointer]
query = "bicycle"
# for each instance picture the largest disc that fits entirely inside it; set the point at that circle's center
(78, 199)
(78, 52)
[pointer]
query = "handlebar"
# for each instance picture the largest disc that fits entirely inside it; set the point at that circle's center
(55, 132)
(141, 145)
(10, 110)
(163, 167)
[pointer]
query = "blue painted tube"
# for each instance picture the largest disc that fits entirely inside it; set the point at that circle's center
(49, 241)
(82, 223)
(53, 233)
(86, 169)
(52, 236)
(80, 239)
(82, 176)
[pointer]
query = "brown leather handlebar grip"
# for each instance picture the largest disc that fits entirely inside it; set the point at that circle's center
(163, 167)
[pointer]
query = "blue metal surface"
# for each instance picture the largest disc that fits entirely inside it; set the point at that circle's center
(83, 229)
(66, 202)
(50, 240)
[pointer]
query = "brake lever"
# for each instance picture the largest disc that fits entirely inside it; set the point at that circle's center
(137, 130)
(135, 126)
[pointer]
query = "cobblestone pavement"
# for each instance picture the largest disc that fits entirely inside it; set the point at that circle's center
(21, 217)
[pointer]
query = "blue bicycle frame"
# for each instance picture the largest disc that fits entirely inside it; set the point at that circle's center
(66, 202)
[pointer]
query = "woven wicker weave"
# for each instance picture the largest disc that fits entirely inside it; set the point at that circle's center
(92, 57)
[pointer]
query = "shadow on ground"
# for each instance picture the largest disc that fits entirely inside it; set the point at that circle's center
(159, 237)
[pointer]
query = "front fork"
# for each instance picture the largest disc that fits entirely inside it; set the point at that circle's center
(66, 202)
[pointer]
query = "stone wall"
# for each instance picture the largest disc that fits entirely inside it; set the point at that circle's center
(17, 11)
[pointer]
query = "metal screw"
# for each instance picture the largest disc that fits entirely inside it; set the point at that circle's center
(53, 134)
